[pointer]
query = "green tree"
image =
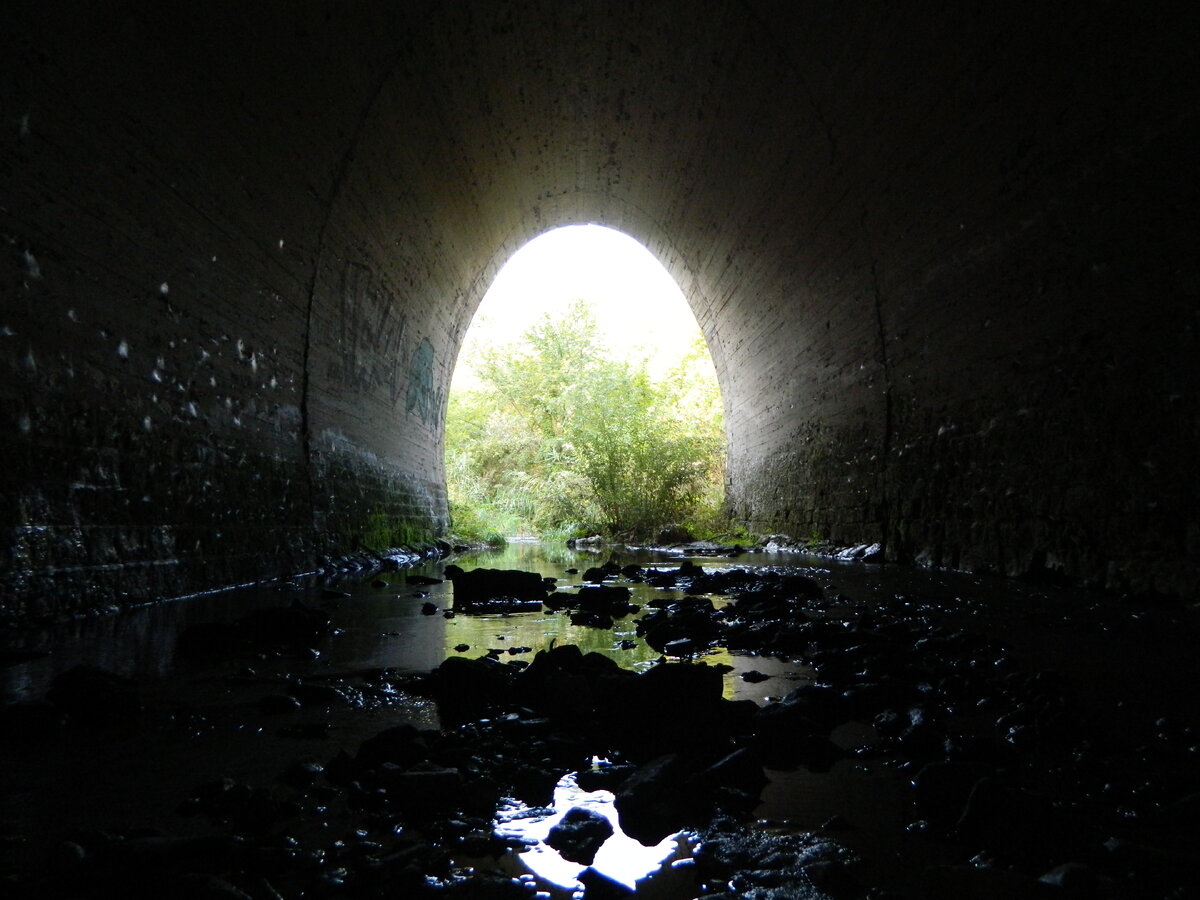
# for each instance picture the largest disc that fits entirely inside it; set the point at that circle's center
(561, 437)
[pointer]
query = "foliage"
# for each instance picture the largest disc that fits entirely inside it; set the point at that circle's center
(563, 438)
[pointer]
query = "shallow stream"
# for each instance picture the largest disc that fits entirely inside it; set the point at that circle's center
(203, 720)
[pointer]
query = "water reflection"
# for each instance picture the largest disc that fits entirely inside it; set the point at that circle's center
(620, 857)
(382, 622)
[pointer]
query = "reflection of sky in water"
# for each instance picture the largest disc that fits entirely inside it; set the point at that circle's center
(621, 857)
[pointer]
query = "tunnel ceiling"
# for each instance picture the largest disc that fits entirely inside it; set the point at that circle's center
(944, 260)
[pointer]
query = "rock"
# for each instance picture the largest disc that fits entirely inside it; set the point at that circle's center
(591, 620)
(753, 676)
(401, 745)
(942, 789)
(742, 769)
(316, 694)
(680, 647)
(607, 600)
(651, 803)
(1080, 881)
(300, 774)
(1024, 824)
(598, 886)
(480, 586)
(594, 540)
(421, 788)
(423, 580)
(429, 609)
(579, 834)
(465, 687)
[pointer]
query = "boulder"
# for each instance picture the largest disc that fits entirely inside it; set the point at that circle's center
(579, 834)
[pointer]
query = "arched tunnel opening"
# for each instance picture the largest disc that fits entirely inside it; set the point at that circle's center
(944, 260)
(584, 402)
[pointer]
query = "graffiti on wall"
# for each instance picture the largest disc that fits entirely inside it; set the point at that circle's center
(369, 331)
(423, 399)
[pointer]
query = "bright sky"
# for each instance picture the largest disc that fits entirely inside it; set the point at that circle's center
(638, 306)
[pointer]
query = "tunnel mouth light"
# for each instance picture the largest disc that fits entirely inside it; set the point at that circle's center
(620, 858)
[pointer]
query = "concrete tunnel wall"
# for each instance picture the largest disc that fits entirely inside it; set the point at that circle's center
(945, 260)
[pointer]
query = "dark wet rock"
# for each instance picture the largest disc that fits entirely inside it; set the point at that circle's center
(688, 619)
(596, 574)
(594, 540)
(584, 619)
(484, 588)
(401, 745)
(1079, 881)
(598, 886)
(606, 777)
(429, 609)
(671, 706)
(341, 770)
(425, 787)
(753, 676)
(942, 789)
(92, 696)
(610, 600)
(757, 864)
(422, 580)
(461, 648)
(579, 834)
(245, 807)
(681, 647)
(301, 774)
(742, 770)
(466, 687)
(652, 803)
(310, 693)
(1028, 825)
(659, 578)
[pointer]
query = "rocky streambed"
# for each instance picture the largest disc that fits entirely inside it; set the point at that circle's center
(629, 727)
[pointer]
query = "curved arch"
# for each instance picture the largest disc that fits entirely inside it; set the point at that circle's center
(945, 191)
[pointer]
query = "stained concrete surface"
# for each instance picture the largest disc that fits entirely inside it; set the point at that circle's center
(944, 257)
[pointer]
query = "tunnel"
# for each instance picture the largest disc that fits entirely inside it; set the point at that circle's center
(944, 257)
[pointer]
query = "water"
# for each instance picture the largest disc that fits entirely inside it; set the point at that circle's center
(381, 622)
(1127, 660)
